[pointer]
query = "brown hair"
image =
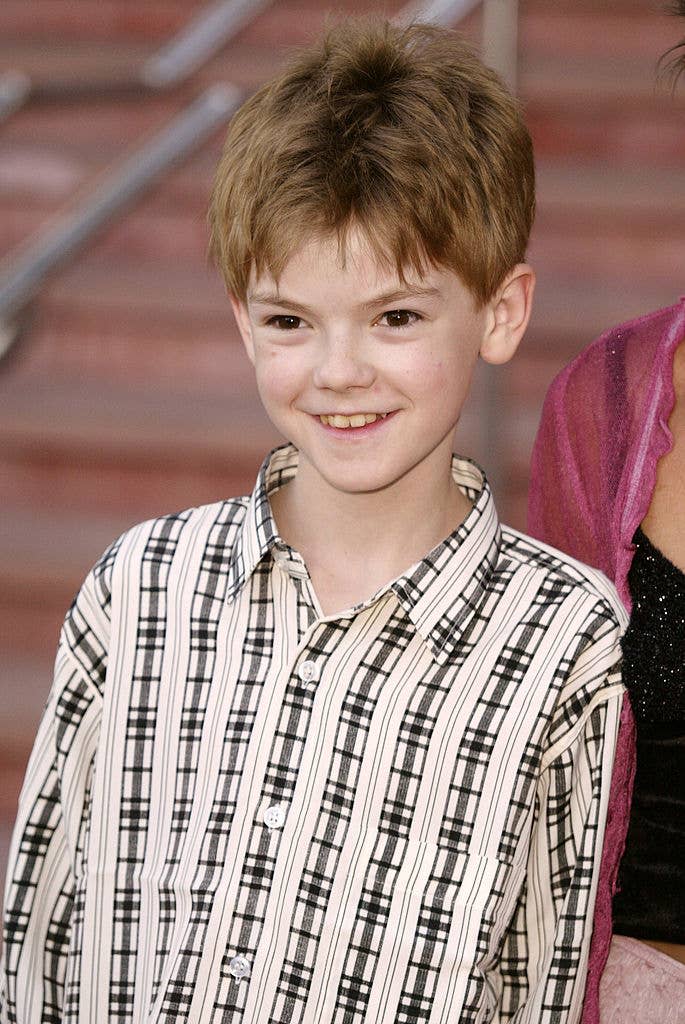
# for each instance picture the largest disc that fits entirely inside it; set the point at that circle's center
(400, 132)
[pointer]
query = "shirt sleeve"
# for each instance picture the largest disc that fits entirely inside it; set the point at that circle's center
(50, 832)
(545, 951)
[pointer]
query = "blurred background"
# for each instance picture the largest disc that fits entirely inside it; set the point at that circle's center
(124, 391)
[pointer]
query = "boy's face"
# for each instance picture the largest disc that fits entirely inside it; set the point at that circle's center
(365, 375)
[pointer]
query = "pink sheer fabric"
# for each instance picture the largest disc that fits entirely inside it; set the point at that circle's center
(642, 985)
(604, 427)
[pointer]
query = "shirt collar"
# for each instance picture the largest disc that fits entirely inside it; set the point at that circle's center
(257, 535)
(447, 587)
(439, 593)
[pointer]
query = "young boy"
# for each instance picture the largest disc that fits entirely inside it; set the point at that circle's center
(339, 751)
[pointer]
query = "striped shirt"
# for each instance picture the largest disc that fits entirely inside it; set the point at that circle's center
(239, 809)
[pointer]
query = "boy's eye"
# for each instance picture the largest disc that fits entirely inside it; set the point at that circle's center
(399, 318)
(285, 323)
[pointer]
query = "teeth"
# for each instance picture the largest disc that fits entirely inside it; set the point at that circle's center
(359, 419)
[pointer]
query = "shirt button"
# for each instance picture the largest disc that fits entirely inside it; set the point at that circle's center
(308, 671)
(274, 817)
(289, 565)
(239, 967)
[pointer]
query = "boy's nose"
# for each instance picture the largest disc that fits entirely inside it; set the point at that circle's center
(343, 364)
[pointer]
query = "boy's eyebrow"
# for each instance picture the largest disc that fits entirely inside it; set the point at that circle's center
(411, 291)
(274, 299)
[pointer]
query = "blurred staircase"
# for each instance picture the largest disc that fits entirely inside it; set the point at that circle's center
(128, 394)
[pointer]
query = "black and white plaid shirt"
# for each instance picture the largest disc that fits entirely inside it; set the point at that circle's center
(241, 810)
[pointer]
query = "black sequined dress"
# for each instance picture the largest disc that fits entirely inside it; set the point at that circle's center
(651, 900)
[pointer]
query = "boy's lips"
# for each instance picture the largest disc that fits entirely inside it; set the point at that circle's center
(355, 422)
(353, 419)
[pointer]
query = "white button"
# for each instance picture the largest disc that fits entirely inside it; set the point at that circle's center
(240, 967)
(289, 565)
(274, 817)
(308, 671)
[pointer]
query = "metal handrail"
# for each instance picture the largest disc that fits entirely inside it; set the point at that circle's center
(437, 12)
(67, 234)
(14, 91)
(171, 65)
(200, 39)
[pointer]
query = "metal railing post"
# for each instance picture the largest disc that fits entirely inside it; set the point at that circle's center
(500, 38)
(499, 48)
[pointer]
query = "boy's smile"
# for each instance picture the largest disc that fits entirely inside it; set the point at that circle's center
(356, 421)
(364, 373)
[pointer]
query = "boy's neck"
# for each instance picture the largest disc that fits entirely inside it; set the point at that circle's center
(354, 543)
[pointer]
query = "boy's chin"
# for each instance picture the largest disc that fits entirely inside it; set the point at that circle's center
(350, 480)
(359, 483)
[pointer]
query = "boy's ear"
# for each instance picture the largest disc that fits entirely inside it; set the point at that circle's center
(244, 326)
(509, 313)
